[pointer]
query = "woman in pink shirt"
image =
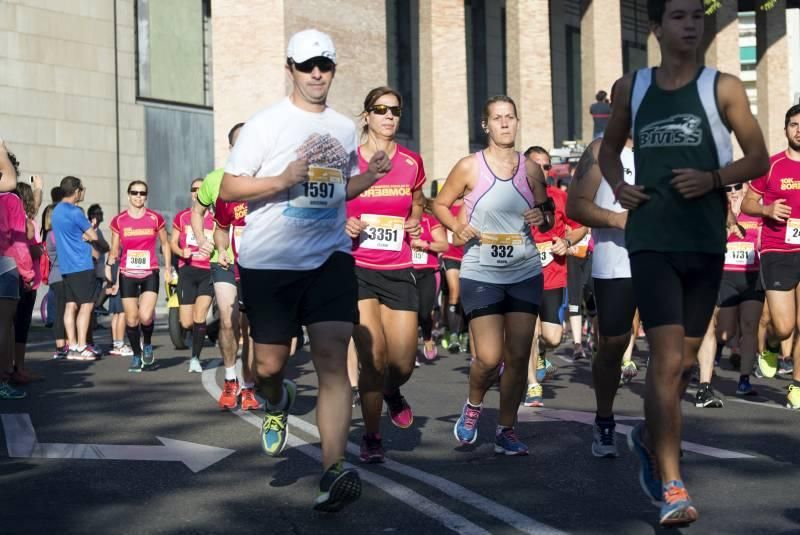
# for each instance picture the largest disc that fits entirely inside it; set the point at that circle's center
(382, 221)
(16, 275)
(134, 235)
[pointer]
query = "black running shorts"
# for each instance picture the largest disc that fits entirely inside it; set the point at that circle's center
(675, 288)
(192, 283)
(79, 287)
(394, 288)
(130, 287)
(616, 306)
(552, 301)
(279, 301)
(740, 286)
(780, 271)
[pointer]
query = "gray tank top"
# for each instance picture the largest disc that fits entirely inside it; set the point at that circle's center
(505, 254)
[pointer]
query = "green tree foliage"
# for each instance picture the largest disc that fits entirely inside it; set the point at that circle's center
(713, 5)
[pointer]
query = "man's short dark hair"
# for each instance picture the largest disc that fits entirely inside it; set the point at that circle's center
(56, 194)
(537, 149)
(70, 184)
(601, 96)
(656, 8)
(791, 112)
(232, 132)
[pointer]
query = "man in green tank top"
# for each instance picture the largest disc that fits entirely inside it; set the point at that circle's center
(224, 281)
(681, 115)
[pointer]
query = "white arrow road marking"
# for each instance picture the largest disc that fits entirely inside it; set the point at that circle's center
(528, 414)
(21, 442)
(411, 498)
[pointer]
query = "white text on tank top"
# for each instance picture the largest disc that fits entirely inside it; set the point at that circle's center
(610, 257)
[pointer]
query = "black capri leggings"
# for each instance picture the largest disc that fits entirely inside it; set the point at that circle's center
(426, 293)
(22, 321)
(61, 304)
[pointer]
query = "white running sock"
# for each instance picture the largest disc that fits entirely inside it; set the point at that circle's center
(230, 373)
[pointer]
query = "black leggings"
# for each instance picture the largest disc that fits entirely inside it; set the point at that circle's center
(22, 321)
(426, 295)
(61, 304)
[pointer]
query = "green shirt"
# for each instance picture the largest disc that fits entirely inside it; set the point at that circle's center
(677, 129)
(207, 196)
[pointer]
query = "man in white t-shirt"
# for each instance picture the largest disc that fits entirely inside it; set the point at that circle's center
(296, 165)
(591, 202)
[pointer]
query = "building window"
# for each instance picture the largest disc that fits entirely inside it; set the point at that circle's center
(173, 51)
(402, 50)
(486, 60)
(574, 89)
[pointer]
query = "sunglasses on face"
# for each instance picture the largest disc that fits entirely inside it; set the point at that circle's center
(735, 187)
(547, 167)
(137, 193)
(323, 64)
(194, 190)
(381, 109)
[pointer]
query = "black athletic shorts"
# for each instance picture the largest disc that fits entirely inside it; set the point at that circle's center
(616, 306)
(130, 287)
(579, 285)
(279, 301)
(449, 263)
(780, 271)
(395, 288)
(740, 286)
(488, 299)
(552, 300)
(192, 283)
(79, 287)
(676, 288)
(220, 274)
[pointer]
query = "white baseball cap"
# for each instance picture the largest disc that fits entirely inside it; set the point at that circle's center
(310, 44)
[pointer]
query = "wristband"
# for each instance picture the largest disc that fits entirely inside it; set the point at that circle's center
(717, 179)
(615, 191)
(569, 242)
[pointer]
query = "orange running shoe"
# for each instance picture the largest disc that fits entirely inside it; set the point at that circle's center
(230, 394)
(249, 401)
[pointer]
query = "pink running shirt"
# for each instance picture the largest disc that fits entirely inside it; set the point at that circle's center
(426, 259)
(742, 254)
(387, 204)
(782, 181)
(231, 215)
(137, 240)
(183, 224)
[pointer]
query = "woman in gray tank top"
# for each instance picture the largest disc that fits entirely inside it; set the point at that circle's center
(501, 276)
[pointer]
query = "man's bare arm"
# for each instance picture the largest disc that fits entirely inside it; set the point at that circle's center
(582, 190)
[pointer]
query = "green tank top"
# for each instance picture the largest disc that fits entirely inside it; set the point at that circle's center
(677, 129)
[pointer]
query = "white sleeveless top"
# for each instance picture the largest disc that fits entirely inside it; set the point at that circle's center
(610, 258)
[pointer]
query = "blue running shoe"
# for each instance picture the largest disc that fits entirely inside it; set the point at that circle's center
(507, 443)
(649, 476)
(136, 364)
(148, 358)
(745, 388)
(466, 428)
(677, 509)
(275, 428)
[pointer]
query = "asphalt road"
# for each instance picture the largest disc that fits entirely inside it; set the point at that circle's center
(740, 466)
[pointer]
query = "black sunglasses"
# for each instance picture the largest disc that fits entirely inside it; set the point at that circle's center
(323, 64)
(735, 187)
(381, 109)
(137, 193)
(193, 190)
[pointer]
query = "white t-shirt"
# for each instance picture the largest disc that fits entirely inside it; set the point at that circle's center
(300, 228)
(610, 258)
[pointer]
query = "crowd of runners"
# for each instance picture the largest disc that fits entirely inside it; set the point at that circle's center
(317, 232)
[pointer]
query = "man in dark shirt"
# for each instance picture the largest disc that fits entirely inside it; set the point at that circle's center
(600, 112)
